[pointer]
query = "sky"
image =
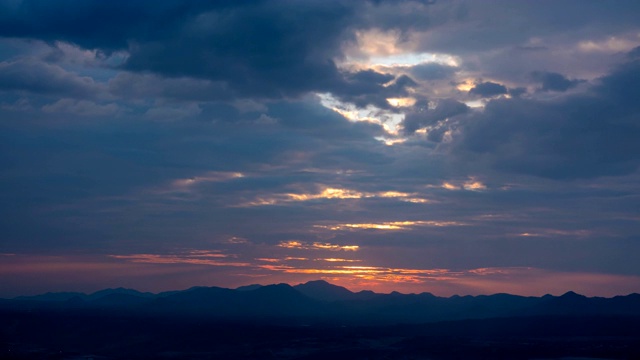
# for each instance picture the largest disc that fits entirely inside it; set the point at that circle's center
(451, 147)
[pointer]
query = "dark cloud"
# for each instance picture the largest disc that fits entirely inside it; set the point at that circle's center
(553, 81)
(404, 14)
(403, 82)
(267, 50)
(82, 107)
(263, 49)
(365, 87)
(317, 121)
(33, 76)
(622, 89)
(369, 87)
(96, 24)
(634, 54)
(433, 71)
(517, 92)
(130, 85)
(423, 116)
(581, 136)
(488, 89)
(125, 169)
(370, 77)
(464, 27)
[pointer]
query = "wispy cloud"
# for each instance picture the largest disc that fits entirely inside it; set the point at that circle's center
(390, 225)
(330, 193)
(294, 244)
(194, 257)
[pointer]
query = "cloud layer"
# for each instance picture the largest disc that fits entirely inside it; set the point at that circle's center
(371, 143)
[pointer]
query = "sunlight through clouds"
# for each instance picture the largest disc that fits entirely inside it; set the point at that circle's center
(293, 244)
(391, 225)
(197, 258)
(389, 120)
(329, 193)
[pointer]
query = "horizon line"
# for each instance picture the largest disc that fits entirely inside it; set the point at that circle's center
(307, 282)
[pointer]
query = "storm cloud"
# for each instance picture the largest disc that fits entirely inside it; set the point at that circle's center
(586, 135)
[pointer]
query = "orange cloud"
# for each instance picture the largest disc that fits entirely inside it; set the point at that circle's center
(331, 193)
(389, 225)
(338, 260)
(200, 257)
(293, 244)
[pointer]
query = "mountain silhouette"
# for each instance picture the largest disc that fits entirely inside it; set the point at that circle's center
(53, 296)
(321, 301)
(322, 290)
(120, 291)
(249, 287)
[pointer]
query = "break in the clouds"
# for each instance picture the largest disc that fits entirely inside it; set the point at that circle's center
(444, 146)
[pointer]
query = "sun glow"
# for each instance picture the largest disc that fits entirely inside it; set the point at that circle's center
(472, 184)
(401, 102)
(294, 244)
(331, 193)
(390, 141)
(390, 225)
(338, 260)
(212, 176)
(213, 259)
(389, 120)
(466, 85)
(411, 59)
(449, 186)
(384, 274)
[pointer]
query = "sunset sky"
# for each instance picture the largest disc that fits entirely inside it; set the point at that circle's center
(451, 147)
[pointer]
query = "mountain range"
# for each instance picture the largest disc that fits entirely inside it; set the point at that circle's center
(322, 302)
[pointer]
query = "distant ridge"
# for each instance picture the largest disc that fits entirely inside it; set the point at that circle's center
(322, 290)
(53, 296)
(66, 296)
(326, 302)
(249, 287)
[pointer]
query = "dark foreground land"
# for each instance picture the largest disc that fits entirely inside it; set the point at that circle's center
(64, 334)
(316, 320)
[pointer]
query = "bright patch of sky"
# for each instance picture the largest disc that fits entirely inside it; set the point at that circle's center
(389, 120)
(376, 49)
(410, 59)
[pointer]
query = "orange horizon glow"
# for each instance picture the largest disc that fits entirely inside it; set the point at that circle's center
(190, 268)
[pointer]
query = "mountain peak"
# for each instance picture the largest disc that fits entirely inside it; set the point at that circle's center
(318, 282)
(249, 287)
(118, 291)
(572, 295)
(275, 288)
(322, 290)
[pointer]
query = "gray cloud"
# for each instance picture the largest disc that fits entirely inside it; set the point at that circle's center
(81, 107)
(553, 81)
(585, 135)
(147, 86)
(466, 27)
(433, 71)
(123, 168)
(263, 49)
(33, 76)
(423, 116)
(369, 87)
(488, 89)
